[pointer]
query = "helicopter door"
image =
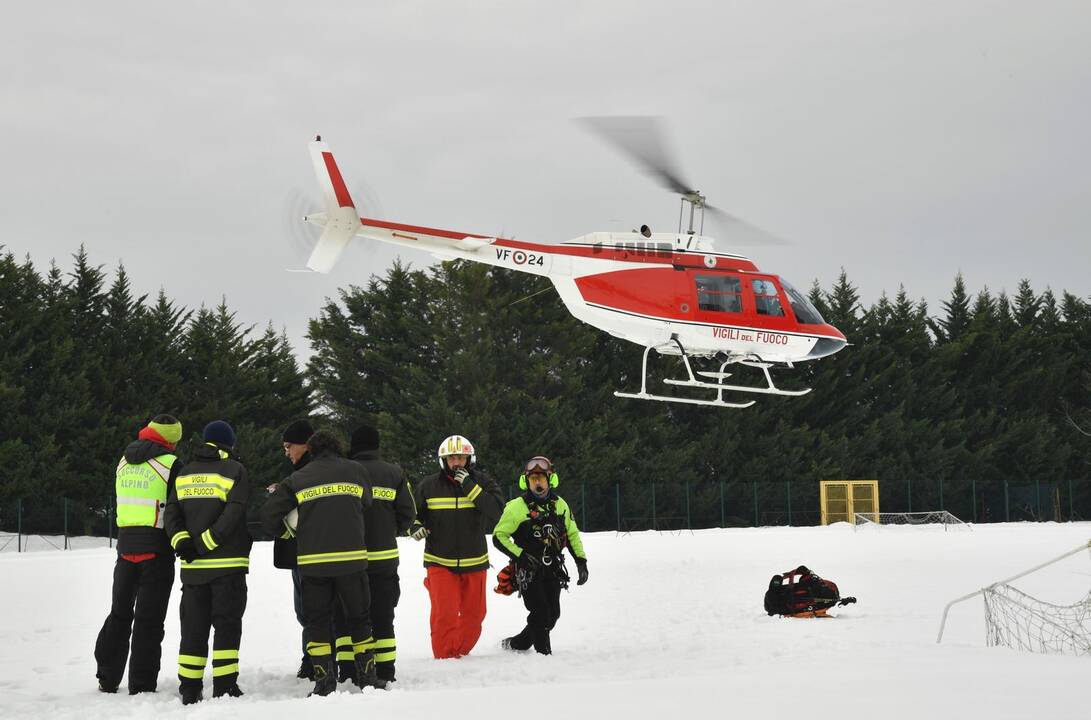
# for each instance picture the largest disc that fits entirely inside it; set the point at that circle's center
(719, 298)
(766, 298)
(770, 305)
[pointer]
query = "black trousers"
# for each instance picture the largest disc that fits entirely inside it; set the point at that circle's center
(138, 608)
(353, 599)
(217, 605)
(542, 598)
(385, 593)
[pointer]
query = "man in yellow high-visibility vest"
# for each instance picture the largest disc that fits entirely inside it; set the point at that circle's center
(144, 571)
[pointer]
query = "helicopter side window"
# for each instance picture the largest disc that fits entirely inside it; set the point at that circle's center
(766, 300)
(719, 293)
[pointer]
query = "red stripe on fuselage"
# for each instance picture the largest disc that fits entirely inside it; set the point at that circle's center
(339, 187)
(600, 253)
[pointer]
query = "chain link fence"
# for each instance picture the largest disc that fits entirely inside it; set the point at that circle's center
(631, 506)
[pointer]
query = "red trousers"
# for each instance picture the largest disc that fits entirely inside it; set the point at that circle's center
(458, 608)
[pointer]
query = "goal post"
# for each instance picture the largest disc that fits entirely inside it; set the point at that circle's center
(930, 517)
(1018, 620)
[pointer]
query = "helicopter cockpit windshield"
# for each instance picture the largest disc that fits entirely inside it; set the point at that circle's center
(805, 312)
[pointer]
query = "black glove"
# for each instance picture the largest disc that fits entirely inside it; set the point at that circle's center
(581, 570)
(462, 476)
(528, 562)
(186, 549)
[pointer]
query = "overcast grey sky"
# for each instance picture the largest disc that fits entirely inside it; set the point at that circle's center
(904, 141)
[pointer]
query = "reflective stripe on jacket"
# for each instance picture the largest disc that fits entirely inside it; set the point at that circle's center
(457, 518)
(207, 504)
(331, 494)
(392, 510)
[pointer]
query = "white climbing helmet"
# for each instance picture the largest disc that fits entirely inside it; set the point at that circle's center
(455, 445)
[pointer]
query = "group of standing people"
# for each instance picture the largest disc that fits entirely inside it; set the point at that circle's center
(336, 519)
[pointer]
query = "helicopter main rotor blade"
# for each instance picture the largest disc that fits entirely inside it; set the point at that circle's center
(641, 138)
(736, 231)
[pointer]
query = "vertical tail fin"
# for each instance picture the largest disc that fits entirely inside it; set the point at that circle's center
(340, 221)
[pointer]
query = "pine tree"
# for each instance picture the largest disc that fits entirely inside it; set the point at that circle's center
(983, 315)
(956, 320)
(843, 305)
(1026, 305)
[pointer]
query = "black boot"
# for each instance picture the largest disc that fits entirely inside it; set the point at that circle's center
(228, 690)
(385, 671)
(520, 642)
(346, 670)
(325, 679)
(542, 644)
(106, 687)
(191, 693)
(365, 671)
(306, 668)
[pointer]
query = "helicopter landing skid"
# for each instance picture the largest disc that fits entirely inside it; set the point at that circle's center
(769, 389)
(718, 386)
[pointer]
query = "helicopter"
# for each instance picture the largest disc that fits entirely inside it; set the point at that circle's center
(678, 293)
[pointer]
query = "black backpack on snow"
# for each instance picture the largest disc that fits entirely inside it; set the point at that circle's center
(801, 593)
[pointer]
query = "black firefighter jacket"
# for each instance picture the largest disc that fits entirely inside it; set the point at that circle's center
(284, 548)
(392, 510)
(457, 517)
(139, 539)
(207, 503)
(331, 494)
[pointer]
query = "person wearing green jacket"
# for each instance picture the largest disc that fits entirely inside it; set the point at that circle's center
(534, 531)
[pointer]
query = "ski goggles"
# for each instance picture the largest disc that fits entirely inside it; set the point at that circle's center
(538, 466)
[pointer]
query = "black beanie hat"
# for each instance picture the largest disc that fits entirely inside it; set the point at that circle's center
(298, 433)
(221, 433)
(365, 437)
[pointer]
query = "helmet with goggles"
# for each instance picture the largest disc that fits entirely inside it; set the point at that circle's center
(538, 465)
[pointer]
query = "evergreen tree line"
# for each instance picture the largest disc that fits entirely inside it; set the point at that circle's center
(976, 409)
(85, 364)
(981, 408)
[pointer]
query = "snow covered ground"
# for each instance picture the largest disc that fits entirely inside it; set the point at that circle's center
(669, 626)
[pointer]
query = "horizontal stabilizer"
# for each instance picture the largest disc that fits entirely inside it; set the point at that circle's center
(332, 243)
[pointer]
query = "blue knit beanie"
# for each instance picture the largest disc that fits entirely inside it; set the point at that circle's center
(220, 433)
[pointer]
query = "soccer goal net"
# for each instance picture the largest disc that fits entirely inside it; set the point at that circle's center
(1017, 620)
(931, 517)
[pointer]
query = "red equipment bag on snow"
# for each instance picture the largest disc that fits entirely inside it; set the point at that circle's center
(801, 593)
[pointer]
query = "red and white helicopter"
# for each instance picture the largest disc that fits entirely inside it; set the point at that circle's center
(676, 293)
